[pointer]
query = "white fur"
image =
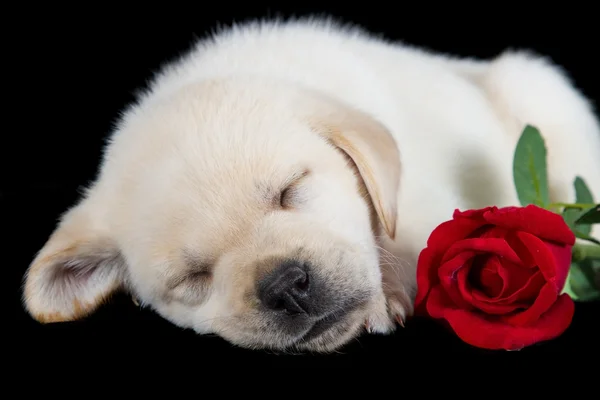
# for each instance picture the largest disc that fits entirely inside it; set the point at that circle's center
(455, 121)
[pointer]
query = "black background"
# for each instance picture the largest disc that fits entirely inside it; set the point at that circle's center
(72, 69)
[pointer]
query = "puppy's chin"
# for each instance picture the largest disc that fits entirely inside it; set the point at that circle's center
(257, 331)
(333, 339)
(330, 339)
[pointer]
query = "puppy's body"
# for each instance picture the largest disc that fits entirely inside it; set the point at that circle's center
(456, 121)
(191, 168)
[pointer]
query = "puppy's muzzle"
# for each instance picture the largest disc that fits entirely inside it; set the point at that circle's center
(300, 302)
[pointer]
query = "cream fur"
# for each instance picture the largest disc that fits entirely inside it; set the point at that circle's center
(188, 170)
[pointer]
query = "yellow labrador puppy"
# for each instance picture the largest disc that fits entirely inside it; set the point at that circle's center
(276, 184)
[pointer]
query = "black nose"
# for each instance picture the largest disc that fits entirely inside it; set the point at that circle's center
(286, 288)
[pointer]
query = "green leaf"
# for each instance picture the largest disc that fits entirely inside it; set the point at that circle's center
(529, 168)
(584, 236)
(583, 195)
(582, 251)
(582, 192)
(570, 215)
(591, 216)
(580, 283)
(568, 289)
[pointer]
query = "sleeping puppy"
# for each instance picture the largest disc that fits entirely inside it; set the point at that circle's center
(276, 184)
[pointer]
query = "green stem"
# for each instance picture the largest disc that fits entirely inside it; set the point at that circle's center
(571, 205)
(586, 251)
(587, 269)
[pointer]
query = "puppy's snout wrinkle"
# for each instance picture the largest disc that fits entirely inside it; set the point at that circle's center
(287, 289)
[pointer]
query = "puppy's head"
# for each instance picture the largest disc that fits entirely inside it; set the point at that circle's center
(250, 210)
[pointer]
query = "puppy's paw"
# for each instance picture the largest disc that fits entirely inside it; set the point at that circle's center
(380, 323)
(399, 309)
(391, 311)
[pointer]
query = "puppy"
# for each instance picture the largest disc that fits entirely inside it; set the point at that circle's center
(276, 185)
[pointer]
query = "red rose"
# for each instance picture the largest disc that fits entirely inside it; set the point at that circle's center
(496, 274)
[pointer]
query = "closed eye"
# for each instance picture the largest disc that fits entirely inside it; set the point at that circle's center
(189, 277)
(288, 196)
(197, 270)
(196, 275)
(192, 285)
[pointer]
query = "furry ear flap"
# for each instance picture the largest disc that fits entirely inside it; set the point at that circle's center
(371, 147)
(75, 271)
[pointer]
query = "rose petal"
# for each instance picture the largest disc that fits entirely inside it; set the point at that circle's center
(537, 221)
(477, 214)
(546, 298)
(477, 299)
(494, 308)
(449, 232)
(453, 274)
(504, 274)
(547, 258)
(562, 256)
(517, 278)
(513, 274)
(438, 303)
(495, 232)
(486, 276)
(427, 276)
(492, 333)
(515, 243)
(524, 296)
(468, 295)
(529, 290)
(486, 246)
(448, 276)
(440, 239)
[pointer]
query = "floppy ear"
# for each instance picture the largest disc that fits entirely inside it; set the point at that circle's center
(75, 271)
(372, 148)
